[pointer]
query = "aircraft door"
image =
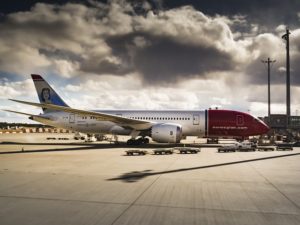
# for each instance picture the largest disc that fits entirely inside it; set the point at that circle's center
(196, 119)
(72, 118)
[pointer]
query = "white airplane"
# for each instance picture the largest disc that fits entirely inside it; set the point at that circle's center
(168, 126)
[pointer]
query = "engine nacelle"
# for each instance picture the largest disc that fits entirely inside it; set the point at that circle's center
(166, 133)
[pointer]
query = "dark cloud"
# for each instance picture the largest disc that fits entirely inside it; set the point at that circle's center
(174, 46)
(104, 66)
(60, 54)
(139, 6)
(161, 59)
(122, 42)
(274, 47)
(16, 5)
(162, 46)
(258, 74)
(168, 61)
(267, 13)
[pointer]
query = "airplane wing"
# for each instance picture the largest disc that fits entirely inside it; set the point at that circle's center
(122, 121)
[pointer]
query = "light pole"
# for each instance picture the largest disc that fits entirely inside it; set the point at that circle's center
(269, 85)
(286, 37)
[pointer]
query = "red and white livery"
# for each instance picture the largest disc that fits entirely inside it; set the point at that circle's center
(165, 126)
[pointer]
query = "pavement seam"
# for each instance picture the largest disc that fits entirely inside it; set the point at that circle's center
(276, 188)
(24, 183)
(140, 195)
(149, 205)
(223, 210)
(64, 200)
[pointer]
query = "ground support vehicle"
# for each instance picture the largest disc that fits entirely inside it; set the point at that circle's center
(136, 152)
(185, 150)
(265, 148)
(227, 149)
(238, 146)
(284, 147)
(163, 151)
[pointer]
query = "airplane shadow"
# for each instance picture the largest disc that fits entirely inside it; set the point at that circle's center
(138, 175)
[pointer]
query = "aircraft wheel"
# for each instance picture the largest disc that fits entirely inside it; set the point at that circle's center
(130, 142)
(139, 141)
(146, 141)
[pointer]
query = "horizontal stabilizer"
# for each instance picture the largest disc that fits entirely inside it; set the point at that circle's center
(22, 113)
(26, 114)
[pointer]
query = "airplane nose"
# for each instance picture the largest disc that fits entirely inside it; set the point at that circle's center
(265, 128)
(260, 127)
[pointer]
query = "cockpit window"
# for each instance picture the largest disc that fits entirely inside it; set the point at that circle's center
(255, 119)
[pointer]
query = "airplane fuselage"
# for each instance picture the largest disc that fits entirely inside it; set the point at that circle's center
(206, 123)
(165, 126)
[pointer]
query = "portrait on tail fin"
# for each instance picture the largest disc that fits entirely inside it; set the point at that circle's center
(45, 95)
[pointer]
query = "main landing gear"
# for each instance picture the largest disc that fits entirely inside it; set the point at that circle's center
(138, 141)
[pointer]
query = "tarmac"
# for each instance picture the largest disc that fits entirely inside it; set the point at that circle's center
(62, 183)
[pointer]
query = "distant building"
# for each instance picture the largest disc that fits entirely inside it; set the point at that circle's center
(282, 121)
(294, 122)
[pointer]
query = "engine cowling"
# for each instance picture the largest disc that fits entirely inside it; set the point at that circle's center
(166, 133)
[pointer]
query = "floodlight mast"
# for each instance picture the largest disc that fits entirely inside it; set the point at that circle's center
(269, 62)
(286, 37)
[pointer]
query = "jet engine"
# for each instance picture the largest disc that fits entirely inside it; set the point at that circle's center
(166, 133)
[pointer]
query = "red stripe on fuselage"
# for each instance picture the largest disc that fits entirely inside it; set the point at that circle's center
(228, 123)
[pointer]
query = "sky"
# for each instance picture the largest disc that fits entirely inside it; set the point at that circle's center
(155, 54)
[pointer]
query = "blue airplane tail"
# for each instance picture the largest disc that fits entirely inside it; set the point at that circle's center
(46, 93)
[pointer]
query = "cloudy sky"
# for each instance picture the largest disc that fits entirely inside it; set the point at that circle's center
(155, 54)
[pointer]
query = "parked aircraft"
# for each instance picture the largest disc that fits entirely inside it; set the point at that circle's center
(164, 126)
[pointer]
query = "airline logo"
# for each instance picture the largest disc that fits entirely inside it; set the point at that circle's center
(229, 128)
(46, 95)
